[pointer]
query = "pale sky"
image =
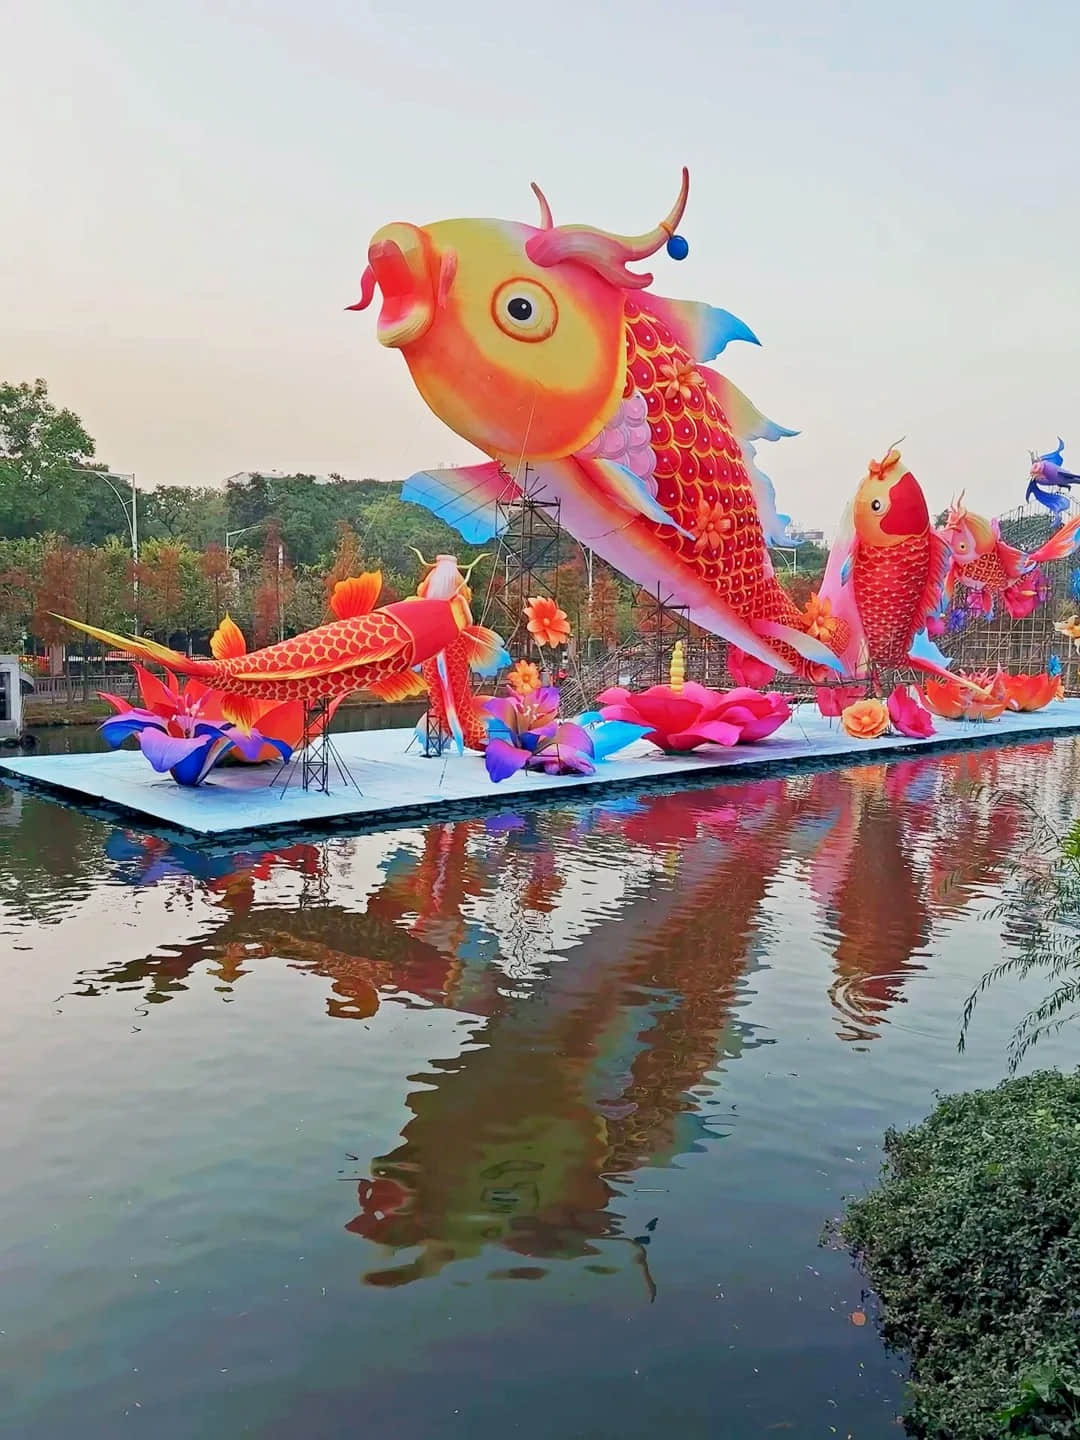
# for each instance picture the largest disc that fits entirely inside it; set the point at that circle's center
(888, 195)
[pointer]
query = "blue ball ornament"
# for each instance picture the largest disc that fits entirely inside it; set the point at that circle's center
(677, 248)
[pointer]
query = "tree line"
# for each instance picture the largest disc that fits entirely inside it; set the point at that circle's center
(266, 549)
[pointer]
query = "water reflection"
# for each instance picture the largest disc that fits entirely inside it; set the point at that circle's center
(602, 959)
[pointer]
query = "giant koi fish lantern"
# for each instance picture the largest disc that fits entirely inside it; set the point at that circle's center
(541, 345)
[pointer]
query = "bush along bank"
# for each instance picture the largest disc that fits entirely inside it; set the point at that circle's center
(971, 1240)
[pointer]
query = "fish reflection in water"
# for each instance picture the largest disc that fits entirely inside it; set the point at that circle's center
(599, 1016)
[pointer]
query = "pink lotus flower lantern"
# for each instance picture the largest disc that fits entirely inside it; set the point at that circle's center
(682, 715)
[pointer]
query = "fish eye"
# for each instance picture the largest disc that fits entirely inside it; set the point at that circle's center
(524, 310)
(875, 504)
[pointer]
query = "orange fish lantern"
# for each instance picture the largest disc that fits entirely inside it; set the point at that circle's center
(541, 346)
(362, 649)
(989, 570)
(885, 574)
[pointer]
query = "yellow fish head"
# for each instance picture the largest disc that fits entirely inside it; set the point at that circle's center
(890, 506)
(513, 334)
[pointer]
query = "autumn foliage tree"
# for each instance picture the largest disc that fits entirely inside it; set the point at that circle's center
(602, 614)
(347, 559)
(216, 572)
(273, 591)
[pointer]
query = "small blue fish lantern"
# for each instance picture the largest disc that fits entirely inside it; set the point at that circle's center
(677, 247)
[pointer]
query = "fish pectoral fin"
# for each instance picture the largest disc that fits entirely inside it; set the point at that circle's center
(241, 711)
(937, 571)
(803, 644)
(467, 498)
(406, 686)
(627, 490)
(357, 595)
(483, 650)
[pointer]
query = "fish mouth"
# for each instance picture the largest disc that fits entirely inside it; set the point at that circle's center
(398, 256)
(907, 513)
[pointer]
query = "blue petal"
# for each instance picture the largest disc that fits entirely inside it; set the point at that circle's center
(615, 735)
(115, 731)
(165, 751)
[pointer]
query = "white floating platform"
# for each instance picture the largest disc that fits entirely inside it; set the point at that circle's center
(397, 785)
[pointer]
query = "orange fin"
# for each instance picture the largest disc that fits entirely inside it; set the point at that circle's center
(1061, 544)
(483, 648)
(405, 686)
(227, 640)
(241, 711)
(357, 595)
(938, 569)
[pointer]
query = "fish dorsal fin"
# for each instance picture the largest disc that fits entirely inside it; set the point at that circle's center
(701, 329)
(227, 640)
(749, 424)
(357, 595)
(746, 420)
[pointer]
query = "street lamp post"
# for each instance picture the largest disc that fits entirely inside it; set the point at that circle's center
(241, 531)
(131, 515)
(133, 527)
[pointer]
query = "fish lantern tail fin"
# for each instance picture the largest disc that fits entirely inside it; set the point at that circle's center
(141, 648)
(1060, 545)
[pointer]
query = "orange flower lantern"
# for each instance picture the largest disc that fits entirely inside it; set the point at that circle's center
(548, 625)
(865, 720)
(524, 678)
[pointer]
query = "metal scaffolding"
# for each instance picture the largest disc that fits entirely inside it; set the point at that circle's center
(529, 535)
(1021, 646)
(316, 754)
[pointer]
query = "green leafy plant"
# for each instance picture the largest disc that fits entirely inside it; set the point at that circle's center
(1040, 917)
(972, 1242)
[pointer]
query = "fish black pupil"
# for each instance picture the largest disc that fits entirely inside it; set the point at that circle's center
(520, 309)
(875, 505)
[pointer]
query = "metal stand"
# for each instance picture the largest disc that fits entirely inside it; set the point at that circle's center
(317, 753)
(435, 741)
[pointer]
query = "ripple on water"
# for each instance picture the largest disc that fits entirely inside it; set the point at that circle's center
(633, 1053)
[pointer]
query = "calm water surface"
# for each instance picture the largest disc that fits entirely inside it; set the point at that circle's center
(523, 1126)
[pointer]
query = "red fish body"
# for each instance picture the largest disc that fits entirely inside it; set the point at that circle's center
(886, 572)
(889, 586)
(455, 673)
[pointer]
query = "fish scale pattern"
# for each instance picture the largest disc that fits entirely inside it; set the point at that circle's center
(350, 639)
(984, 570)
(700, 475)
(889, 583)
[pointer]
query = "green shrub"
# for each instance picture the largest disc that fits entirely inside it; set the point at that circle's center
(972, 1242)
